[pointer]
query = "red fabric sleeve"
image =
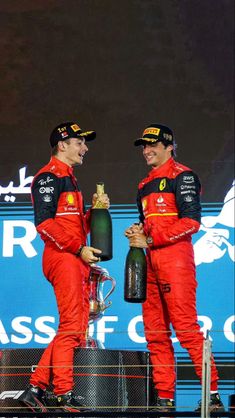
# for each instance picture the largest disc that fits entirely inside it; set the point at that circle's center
(178, 231)
(51, 231)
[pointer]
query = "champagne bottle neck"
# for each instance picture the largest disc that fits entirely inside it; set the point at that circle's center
(99, 192)
(100, 189)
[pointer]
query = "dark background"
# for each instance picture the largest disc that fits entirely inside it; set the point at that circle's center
(116, 66)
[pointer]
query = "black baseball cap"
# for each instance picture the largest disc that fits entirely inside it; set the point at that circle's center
(156, 133)
(68, 130)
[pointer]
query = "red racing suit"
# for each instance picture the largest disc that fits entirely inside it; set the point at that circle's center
(169, 205)
(63, 226)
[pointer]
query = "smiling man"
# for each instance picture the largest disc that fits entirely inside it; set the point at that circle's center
(63, 224)
(170, 212)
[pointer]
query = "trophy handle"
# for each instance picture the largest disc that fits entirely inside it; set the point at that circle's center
(113, 282)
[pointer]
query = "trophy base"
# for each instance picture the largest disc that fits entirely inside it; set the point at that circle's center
(91, 343)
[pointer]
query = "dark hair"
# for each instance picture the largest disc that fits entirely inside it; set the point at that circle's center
(54, 150)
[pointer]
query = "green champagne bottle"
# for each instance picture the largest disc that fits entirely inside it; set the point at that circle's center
(101, 227)
(135, 282)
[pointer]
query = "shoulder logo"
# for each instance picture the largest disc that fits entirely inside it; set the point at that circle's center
(47, 198)
(162, 184)
(188, 198)
(188, 179)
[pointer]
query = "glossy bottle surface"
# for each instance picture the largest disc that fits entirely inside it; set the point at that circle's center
(101, 228)
(135, 276)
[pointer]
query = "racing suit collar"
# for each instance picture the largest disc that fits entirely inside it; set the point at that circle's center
(162, 169)
(61, 165)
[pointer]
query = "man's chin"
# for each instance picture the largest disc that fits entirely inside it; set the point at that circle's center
(78, 163)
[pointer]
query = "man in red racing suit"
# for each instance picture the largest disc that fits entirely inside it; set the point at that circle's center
(63, 225)
(169, 205)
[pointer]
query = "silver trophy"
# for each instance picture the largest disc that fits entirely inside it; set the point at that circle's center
(98, 277)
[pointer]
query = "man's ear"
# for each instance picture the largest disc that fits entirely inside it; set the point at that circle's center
(61, 145)
(170, 147)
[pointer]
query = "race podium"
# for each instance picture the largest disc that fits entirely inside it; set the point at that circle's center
(107, 379)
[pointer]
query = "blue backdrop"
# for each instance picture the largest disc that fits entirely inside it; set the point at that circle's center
(28, 313)
(28, 310)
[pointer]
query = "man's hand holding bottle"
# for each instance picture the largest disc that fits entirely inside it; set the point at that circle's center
(135, 234)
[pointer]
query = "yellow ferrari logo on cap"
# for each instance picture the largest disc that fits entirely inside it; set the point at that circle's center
(151, 131)
(162, 184)
(70, 199)
(75, 128)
